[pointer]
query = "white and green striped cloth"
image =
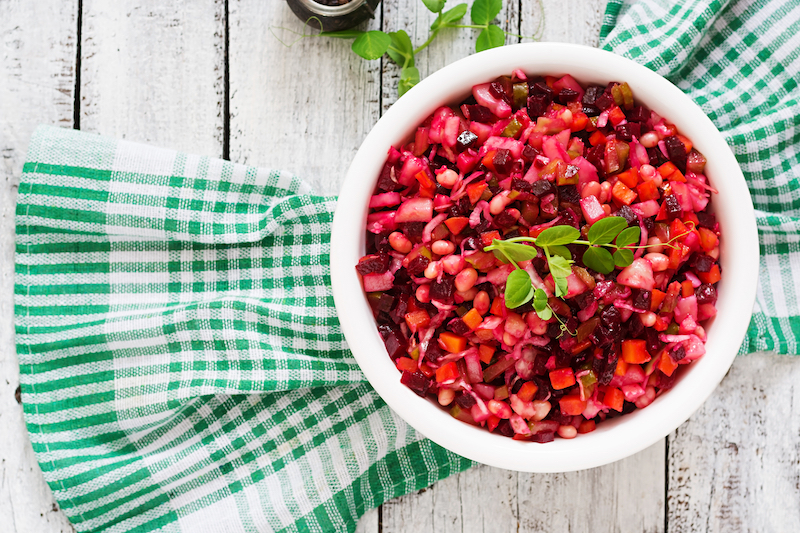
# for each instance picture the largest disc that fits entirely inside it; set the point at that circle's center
(740, 61)
(181, 362)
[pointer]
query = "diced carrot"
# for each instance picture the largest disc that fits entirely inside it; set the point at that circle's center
(616, 116)
(666, 364)
(581, 346)
(497, 307)
(621, 369)
(677, 229)
(686, 288)
(427, 188)
(486, 352)
(708, 239)
(452, 343)
(416, 320)
(579, 121)
(629, 177)
(662, 212)
(614, 399)
(689, 216)
(492, 422)
(427, 370)
(634, 351)
(562, 378)
(447, 372)
(456, 224)
(527, 391)
(667, 169)
(475, 191)
(710, 277)
(587, 426)
(472, 318)
(623, 194)
(661, 323)
(488, 236)
(571, 404)
(406, 364)
(597, 138)
(686, 142)
(677, 176)
(488, 160)
(648, 191)
(656, 297)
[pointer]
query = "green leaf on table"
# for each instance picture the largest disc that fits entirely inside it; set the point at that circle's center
(623, 257)
(372, 44)
(562, 251)
(598, 259)
(557, 235)
(484, 11)
(451, 16)
(628, 236)
(342, 34)
(434, 5)
(491, 37)
(401, 50)
(409, 77)
(604, 230)
(519, 289)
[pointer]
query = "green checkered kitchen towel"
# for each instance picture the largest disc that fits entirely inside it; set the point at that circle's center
(181, 363)
(740, 61)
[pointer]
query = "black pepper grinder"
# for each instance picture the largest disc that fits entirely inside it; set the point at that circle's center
(333, 14)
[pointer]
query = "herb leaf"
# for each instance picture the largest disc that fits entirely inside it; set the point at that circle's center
(519, 289)
(491, 37)
(539, 299)
(560, 267)
(604, 230)
(401, 50)
(629, 236)
(623, 257)
(562, 287)
(449, 17)
(560, 250)
(372, 44)
(512, 250)
(434, 5)
(599, 259)
(484, 11)
(557, 235)
(409, 77)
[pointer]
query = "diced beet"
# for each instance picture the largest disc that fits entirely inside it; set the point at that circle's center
(465, 140)
(706, 294)
(604, 101)
(503, 161)
(664, 382)
(593, 92)
(505, 429)
(678, 353)
(396, 344)
(656, 157)
(628, 214)
(505, 220)
(542, 187)
(373, 264)
(529, 153)
(537, 105)
(701, 262)
(458, 326)
(610, 316)
(443, 290)
(386, 302)
(466, 400)
(398, 313)
(673, 206)
(638, 114)
(676, 151)
(654, 344)
(641, 300)
(498, 91)
(706, 220)
(540, 87)
(417, 382)
(385, 181)
(478, 113)
(569, 194)
(635, 328)
(595, 155)
(566, 96)
(521, 185)
(628, 131)
(417, 266)
(544, 436)
(434, 353)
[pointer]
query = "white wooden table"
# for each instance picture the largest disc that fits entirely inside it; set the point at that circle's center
(207, 76)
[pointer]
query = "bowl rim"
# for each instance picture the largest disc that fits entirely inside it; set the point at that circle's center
(614, 439)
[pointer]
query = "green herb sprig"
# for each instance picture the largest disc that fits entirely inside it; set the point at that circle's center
(398, 46)
(610, 233)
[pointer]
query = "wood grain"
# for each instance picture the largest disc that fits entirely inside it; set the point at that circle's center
(304, 108)
(37, 81)
(155, 72)
(735, 465)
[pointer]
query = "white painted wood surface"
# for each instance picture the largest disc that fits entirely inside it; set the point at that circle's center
(157, 74)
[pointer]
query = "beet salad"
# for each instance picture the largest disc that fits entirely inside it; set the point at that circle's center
(541, 257)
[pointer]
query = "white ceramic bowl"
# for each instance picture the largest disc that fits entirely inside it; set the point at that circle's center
(613, 439)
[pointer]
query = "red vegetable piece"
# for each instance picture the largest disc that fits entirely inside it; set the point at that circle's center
(571, 404)
(634, 351)
(562, 378)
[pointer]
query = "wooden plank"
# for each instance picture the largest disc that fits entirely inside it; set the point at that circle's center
(37, 66)
(304, 108)
(451, 44)
(624, 496)
(369, 522)
(735, 465)
(571, 21)
(155, 73)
